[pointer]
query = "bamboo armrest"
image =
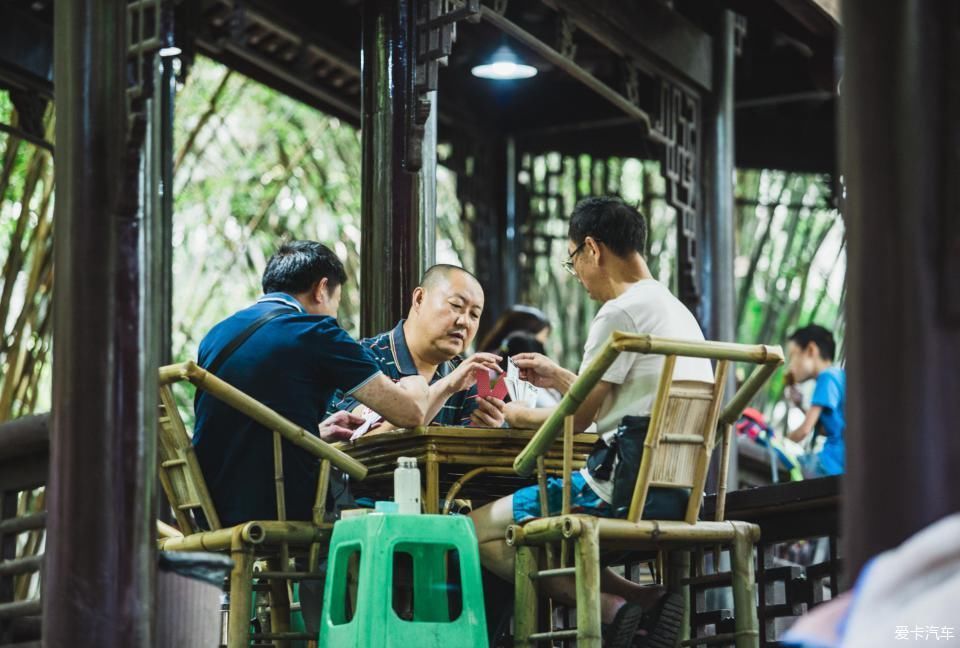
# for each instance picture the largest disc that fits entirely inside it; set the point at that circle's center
(262, 414)
(165, 530)
(768, 357)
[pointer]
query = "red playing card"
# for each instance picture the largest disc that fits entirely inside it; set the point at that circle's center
(483, 383)
(500, 389)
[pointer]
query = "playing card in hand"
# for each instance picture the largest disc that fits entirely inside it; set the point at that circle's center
(520, 390)
(369, 419)
(484, 388)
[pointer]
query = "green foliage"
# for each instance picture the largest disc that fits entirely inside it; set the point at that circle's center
(256, 167)
(791, 260)
(261, 169)
(26, 184)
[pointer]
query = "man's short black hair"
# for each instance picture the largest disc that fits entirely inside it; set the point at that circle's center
(819, 336)
(608, 219)
(297, 267)
(442, 271)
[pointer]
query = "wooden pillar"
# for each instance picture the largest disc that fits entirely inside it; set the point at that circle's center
(396, 224)
(719, 299)
(99, 566)
(511, 246)
(900, 120)
(426, 251)
(167, 100)
(719, 145)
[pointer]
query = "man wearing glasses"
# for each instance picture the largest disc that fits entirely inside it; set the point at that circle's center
(607, 238)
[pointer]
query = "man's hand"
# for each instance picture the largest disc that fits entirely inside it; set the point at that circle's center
(339, 426)
(489, 412)
(464, 376)
(541, 371)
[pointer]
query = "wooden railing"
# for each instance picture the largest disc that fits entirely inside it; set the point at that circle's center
(24, 464)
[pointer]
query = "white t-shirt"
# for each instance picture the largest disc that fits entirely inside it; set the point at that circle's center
(646, 307)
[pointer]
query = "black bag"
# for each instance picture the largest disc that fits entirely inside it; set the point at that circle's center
(621, 460)
(339, 495)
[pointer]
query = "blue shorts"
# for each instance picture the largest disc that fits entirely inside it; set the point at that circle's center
(526, 501)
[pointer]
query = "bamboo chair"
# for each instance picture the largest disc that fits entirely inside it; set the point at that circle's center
(677, 450)
(186, 490)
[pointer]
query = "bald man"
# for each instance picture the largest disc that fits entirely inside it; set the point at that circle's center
(441, 324)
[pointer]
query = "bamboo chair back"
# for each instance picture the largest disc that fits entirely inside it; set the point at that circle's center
(179, 471)
(680, 438)
(684, 418)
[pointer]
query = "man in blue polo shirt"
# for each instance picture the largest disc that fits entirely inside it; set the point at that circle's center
(442, 322)
(288, 352)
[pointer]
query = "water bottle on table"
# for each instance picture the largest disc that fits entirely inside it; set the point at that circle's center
(406, 485)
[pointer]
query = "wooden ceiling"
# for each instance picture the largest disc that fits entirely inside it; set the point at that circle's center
(786, 72)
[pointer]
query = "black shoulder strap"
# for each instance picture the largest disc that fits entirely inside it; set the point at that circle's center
(241, 337)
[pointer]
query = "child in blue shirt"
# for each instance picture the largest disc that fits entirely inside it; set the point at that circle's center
(811, 350)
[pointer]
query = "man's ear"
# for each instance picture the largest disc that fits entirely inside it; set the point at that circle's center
(417, 299)
(594, 247)
(320, 292)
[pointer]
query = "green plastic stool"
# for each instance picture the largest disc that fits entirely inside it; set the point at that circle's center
(364, 614)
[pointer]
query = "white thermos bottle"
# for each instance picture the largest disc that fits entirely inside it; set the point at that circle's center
(406, 485)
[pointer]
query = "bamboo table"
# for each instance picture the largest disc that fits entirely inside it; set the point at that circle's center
(475, 463)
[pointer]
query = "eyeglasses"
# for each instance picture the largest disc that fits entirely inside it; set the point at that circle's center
(568, 264)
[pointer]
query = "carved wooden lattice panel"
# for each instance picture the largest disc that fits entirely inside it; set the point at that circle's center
(678, 125)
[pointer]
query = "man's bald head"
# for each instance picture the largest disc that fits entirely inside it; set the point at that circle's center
(442, 272)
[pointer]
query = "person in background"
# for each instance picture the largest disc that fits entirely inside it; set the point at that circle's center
(518, 318)
(522, 342)
(811, 352)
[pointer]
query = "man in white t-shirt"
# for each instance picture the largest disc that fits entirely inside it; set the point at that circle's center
(606, 242)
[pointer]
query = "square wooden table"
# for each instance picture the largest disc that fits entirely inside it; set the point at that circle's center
(472, 463)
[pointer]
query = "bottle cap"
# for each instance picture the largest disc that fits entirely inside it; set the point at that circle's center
(407, 462)
(385, 506)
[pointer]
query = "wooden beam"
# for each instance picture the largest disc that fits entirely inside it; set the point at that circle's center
(822, 17)
(654, 37)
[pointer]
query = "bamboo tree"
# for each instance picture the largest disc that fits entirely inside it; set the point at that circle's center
(746, 285)
(204, 118)
(826, 283)
(28, 260)
(793, 314)
(15, 252)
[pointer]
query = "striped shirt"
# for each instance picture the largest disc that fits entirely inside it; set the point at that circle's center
(391, 352)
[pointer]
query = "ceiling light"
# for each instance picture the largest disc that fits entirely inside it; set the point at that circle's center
(504, 65)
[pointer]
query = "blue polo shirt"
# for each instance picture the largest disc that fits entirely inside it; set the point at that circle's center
(292, 364)
(393, 357)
